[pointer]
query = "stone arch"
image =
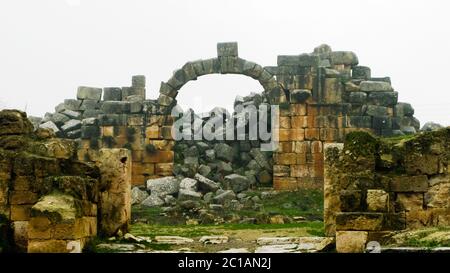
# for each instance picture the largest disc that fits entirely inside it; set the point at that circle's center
(227, 62)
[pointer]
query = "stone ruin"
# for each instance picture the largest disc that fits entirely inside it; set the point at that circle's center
(322, 96)
(112, 138)
(374, 187)
(49, 200)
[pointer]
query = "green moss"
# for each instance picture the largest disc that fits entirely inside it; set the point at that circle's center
(150, 148)
(361, 143)
(284, 105)
(108, 141)
(128, 146)
(130, 132)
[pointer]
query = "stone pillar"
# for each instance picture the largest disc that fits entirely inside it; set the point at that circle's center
(331, 187)
(115, 191)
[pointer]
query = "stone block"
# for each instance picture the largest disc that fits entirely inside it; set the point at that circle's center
(377, 201)
(20, 212)
(297, 109)
(112, 94)
(158, 157)
(369, 221)
(383, 98)
(361, 72)
(20, 234)
(229, 49)
(351, 241)
(403, 109)
(375, 110)
(72, 114)
(285, 158)
(40, 228)
(50, 246)
(299, 95)
(89, 93)
(333, 91)
(164, 169)
(71, 125)
(411, 184)
(299, 171)
(381, 122)
(375, 86)
(71, 104)
(298, 122)
(138, 81)
(409, 201)
(421, 163)
(22, 197)
(357, 97)
(312, 134)
(285, 183)
(115, 107)
(344, 57)
(281, 170)
(350, 200)
(89, 132)
(360, 121)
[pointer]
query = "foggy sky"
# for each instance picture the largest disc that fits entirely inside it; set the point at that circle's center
(49, 47)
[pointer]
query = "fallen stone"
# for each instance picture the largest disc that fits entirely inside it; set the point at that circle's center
(226, 195)
(188, 184)
(50, 125)
(205, 184)
(173, 240)
(431, 126)
(285, 248)
(213, 240)
(138, 196)
(224, 152)
(71, 125)
(236, 182)
(89, 93)
(185, 194)
(153, 200)
(71, 114)
(163, 186)
(235, 250)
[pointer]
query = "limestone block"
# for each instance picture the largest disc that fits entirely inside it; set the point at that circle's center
(350, 200)
(417, 183)
(22, 197)
(333, 90)
(164, 169)
(115, 196)
(138, 81)
(375, 86)
(89, 93)
(403, 109)
(50, 125)
(351, 241)
(20, 212)
(361, 72)
(420, 163)
(229, 49)
(377, 201)
(438, 194)
(375, 110)
(409, 201)
(369, 221)
(71, 125)
(383, 98)
(357, 97)
(71, 104)
(312, 134)
(115, 107)
(112, 94)
(20, 234)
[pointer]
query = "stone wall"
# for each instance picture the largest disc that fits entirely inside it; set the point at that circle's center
(322, 96)
(374, 186)
(49, 200)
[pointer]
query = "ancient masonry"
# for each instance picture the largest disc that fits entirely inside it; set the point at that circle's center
(50, 201)
(376, 186)
(322, 96)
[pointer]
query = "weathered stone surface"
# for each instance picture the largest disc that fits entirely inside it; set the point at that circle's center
(417, 183)
(299, 95)
(438, 194)
(112, 94)
(71, 104)
(137, 196)
(403, 109)
(50, 125)
(115, 198)
(59, 119)
(383, 98)
(71, 114)
(361, 72)
(409, 201)
(222, 197)
(431, 126)
(153, 200)
(173, 240)
(344, 57)
(71, 125)
(205, 184)
(350, 200)
(189, 184)
(185, 194)
(359, 221)
(377, 201)
(375, 86)
(351, 241)
(358, 97)
(224, 152)
(115, 107)
(227, 49)
(89, 93)
(163, 186)
(237, 183)
(374, 110)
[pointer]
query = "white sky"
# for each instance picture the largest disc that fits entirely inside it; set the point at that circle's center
(49, 47)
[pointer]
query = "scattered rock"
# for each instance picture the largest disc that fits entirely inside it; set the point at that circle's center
(137, 196)
(214, 240)
(173, 240)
